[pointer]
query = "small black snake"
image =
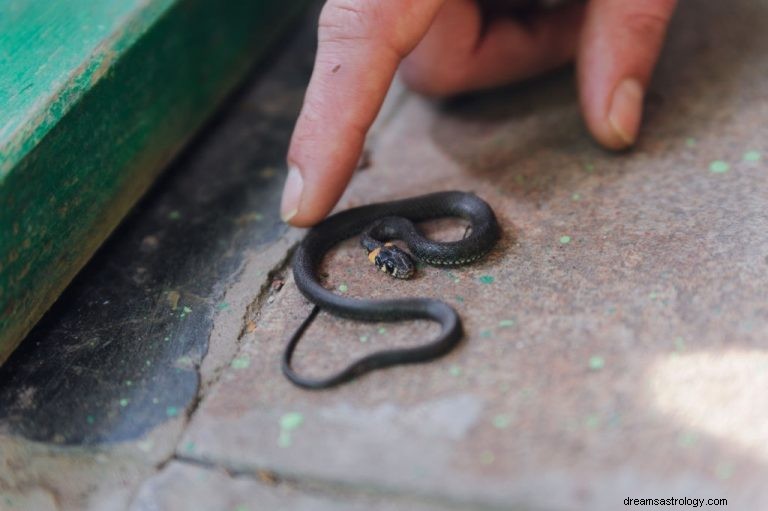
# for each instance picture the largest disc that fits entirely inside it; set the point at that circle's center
(380, 223)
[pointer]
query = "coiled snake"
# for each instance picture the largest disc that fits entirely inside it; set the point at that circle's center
(378, 224)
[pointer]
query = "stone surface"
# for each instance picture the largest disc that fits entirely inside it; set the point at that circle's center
(183, 487)
(615, 338)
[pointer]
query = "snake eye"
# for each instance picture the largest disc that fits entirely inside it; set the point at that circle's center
(389, 266)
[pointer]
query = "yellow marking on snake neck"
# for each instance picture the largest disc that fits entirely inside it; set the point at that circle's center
(372, 255)
(388, 244)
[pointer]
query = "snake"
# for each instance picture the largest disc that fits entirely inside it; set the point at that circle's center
(378, 225)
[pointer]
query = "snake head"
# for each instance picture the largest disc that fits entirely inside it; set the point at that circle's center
(393, 261)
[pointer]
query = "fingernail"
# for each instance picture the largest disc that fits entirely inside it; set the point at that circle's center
(626, 110)
(294, 185)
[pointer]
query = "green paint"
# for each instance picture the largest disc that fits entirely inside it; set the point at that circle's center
(381, 330)
(363, 338)
(243, 362)
(687, 439)
(502, 421)
(186, 310)
(284, 440)
(565, 239)
(128, 383)
(724, 470)
(596, 362)
(174, 215)
(222, 306)
(124, 402)
(90, 419)
(487, 458)
(679, 344)
(455, 371)
(486, 334)
(453, 277)
(719, 167)
(506, 323)
(459, 298)
(592, 421)
(291, 421)
(343, 288)
(752, 156)
(486, 279)
(576, 197)
(171, 411)
(95, 100)
(653, 295)
(189, 446)
(589, 168)
(690, 142)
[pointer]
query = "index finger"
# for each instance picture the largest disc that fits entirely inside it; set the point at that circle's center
(360, 44)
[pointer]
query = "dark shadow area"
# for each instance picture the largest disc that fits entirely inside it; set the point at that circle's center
(118, 352)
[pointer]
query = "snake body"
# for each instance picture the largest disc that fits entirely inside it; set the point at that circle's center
(380, 223)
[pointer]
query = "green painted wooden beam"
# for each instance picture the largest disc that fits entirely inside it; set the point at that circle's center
(96, 96)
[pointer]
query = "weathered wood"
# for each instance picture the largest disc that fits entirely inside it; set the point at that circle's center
(95, 97)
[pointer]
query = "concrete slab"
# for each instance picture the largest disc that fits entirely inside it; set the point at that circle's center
(183, 487)
(615, 338)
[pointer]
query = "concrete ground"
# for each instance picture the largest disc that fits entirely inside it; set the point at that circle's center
(615, 339)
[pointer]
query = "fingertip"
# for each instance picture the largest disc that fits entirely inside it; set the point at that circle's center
(619, 126)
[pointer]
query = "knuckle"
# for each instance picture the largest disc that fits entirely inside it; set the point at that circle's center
(646, 25)
(346, 20)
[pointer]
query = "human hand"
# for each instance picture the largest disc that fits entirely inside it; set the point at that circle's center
(446, 47)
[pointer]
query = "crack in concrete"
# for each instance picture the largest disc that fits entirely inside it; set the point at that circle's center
(252, 313)
(340, 489)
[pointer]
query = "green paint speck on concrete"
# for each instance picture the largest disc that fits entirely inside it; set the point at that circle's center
(90, 420)
(576, 197)
(486, 279)
(363, 338)
(343, 288)
(506, 323)
(724, 470)
(223, 306)
(291, 421)
(687, 439)
(455, 370)
(752, 156)
(124, 402)
(719, 167)
(487, 457)
(171, 411)
(174, 215)
(596, 362)
(565, 239)
(690, 142)
(288, 423)
(382, 330)
(589, 167)
(186, 310)
(241, 362)
(502, 421)
(592, 421)
(459, 298)
(486, 334)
